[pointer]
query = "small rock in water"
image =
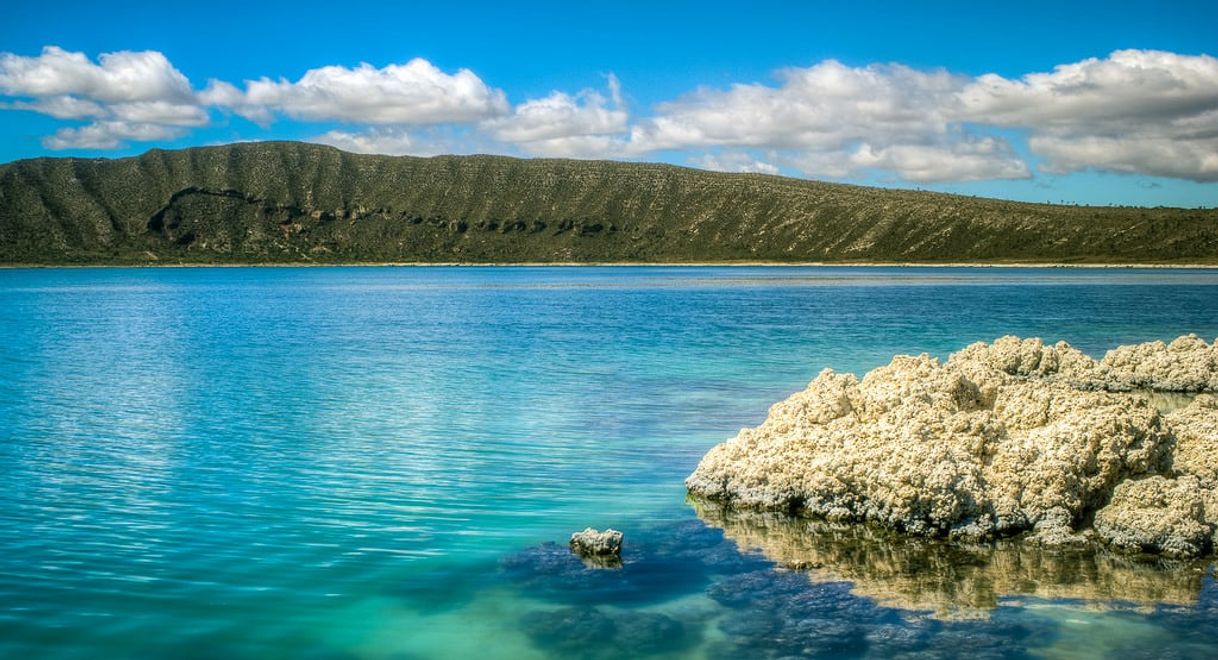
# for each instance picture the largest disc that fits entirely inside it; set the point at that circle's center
(591, 543)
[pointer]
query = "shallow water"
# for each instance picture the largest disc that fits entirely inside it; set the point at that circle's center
(367, 462)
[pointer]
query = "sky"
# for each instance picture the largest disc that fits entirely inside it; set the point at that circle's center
(1090, 103)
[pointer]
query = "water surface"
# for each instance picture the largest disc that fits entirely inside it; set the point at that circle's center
(367, 462)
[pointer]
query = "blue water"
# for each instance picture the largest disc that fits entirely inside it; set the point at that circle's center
(367, 462)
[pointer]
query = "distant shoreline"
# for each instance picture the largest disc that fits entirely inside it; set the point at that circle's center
(634, 264)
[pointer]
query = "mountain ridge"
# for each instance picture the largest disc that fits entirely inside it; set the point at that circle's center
(291, 202)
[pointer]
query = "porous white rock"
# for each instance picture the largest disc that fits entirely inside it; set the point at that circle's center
(1196, 429)
(1157, 514)
(593, 543)
(1003, 438)
(1187, 364)
(1010, 358)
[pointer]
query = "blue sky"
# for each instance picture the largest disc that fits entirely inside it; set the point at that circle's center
(1091, 103)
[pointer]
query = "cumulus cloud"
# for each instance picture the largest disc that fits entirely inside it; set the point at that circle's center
(578, 146)
(59, 107)
(387, 141)
(413, 93)
(1135, 111)
(965, 160)
(1127, 85)
(108, 135)
(972, 159)
(124, 76)
(1196, 160)
(160, 112)
(136, 96)
(414, 141)
(835, 120)
(582, 125)
(564, 125)
(823, 107)
(733, 161)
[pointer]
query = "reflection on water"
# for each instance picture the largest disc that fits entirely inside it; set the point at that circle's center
(685, 590)
(955, 580)
(1166, 402)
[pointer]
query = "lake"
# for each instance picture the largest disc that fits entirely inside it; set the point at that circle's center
(374, 462)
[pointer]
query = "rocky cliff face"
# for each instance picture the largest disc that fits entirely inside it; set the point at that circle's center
(293, 202)
(1003, 439)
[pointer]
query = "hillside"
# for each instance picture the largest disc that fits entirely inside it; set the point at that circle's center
(279, 202)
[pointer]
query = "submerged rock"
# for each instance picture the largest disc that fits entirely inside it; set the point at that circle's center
(571, 629)
(779, 614)
(603, 633)
(665, 562)
(1002, 439)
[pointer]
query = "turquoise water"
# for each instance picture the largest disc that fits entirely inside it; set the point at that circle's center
(368, 462)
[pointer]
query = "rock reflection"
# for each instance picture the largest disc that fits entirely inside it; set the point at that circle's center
(954, 580)
(1167, 402)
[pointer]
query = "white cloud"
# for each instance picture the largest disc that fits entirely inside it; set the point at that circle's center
(578, 146)
(226, 95)
(560, 124)
(387, 141)
(160, 112)
(733, 161)
(1127, 86)
(417, 141)
(967, 160)
(135, 96)
(413, 93)
(59, 107)
(1196, 160)
(826, 106)
(118, 77)
(963, 158)
(108, 135)
(1135, 111)
(559, 115)
(834, 120)
(832, 164)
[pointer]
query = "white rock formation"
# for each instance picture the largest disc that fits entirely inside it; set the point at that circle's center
(1004, 438)
(1187, 364)
(591, 543)
(1157, 514)
(1196, 429)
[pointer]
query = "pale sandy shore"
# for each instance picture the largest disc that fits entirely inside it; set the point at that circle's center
(649, 264)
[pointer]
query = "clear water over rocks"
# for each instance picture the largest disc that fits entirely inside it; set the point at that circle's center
(388, 462)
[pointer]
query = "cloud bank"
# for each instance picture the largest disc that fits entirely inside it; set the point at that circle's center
(126, 95)
(413, 93)
(1134, 111)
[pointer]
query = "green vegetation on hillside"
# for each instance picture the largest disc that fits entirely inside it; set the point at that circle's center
(277, 202)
